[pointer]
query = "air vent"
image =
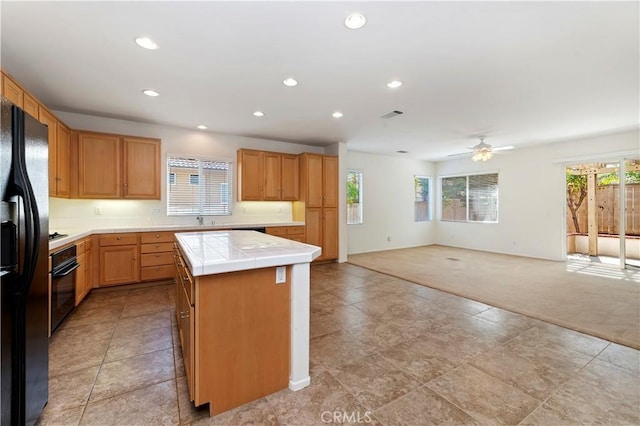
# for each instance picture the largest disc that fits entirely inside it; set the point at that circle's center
(392, 114)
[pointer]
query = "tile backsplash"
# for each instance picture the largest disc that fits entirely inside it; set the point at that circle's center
(72, 214)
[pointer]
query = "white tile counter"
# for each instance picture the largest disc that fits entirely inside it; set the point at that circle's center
(226, 251)
(76, 234)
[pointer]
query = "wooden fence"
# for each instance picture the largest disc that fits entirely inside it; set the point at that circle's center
(608, 214)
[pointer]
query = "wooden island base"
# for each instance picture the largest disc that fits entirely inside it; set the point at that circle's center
(237, 345)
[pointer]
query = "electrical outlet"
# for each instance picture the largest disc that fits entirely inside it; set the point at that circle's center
(281, 274)
(155, 211)
(389, 238)
(97, 211)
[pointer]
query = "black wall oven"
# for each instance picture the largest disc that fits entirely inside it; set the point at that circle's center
(63, 284)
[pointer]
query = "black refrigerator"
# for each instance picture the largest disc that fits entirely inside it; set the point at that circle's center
(24, 280)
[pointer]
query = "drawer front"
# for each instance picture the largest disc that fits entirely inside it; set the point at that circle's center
(80, 247)
(156, 247)
(153, 259)
(295, 230)
(156, 237)
(157, 272)
(118, 239)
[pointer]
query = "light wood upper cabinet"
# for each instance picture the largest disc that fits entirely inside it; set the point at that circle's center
(272, 176)
(114, 166)
(30, 105)
(267, 176)
(250, 172)
(290, 177)
(99, 166)
(314, 179)
(330, 181)
(141, 168)
(45, 117)
(12, 91)
(61, 153)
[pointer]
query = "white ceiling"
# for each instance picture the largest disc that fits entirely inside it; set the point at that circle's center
(519, 72)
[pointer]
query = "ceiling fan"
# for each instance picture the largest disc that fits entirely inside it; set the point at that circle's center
(483, 151)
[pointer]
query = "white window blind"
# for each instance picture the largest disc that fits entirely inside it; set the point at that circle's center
(483, 198)
(198, 187)
(472, 198)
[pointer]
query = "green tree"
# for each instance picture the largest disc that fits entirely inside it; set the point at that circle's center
(353, 188)
(576, 193)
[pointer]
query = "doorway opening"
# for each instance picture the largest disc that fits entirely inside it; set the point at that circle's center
(603, 212)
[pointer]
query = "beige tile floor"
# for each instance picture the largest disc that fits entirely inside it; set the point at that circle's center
(383, 351)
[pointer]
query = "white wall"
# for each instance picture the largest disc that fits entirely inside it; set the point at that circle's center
(72, 214)
(388, 199)
(532, 200)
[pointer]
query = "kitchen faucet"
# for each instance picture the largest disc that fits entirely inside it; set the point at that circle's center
(200, 220)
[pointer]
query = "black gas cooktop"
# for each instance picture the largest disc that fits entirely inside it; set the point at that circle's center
(55, 235)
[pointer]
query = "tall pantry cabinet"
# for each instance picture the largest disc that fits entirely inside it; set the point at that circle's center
(318, 205)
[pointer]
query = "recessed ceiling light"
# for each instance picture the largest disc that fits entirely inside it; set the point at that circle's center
(290, 82)
(147, 43)
(337, 114)
(394, 84)
(355, 21)
(258, 114)
(202, 127)
(150, 92)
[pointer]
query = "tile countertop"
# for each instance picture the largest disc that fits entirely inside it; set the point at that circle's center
(228, 251)
(74, 235)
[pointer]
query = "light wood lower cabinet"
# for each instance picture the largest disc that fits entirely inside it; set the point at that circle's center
(156, 256)
(119, 259)
(84, 273)
(295, 233)
(235, 335)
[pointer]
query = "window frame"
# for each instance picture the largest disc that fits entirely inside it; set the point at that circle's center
(467, 197)
(360, 211)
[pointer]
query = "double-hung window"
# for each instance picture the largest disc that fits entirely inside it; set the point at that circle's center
(198, 187)
(471, 198)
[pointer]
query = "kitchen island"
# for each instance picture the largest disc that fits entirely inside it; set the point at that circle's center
(242, 306)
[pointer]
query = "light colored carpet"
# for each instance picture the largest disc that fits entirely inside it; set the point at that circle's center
(599, 300)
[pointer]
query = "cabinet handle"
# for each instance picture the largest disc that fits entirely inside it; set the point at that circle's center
(157, 245)
(186, 277)
(118, 238)
(157, 235)
(157, 255)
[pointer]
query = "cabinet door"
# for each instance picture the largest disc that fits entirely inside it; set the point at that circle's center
(99, 166)
(188, 342)
(330, 181)
(250, 175)
(330, 233)
(88, 280)
(63, 151)
(30, 105)
(290, 177)
(119, 265)
(272, 163)
(313, 225)
(12, 91)
(314, 180)
(50, 121)
(81, 276)
(141, 168)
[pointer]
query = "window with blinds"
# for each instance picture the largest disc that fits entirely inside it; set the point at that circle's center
(472, 198)
(198, 187)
